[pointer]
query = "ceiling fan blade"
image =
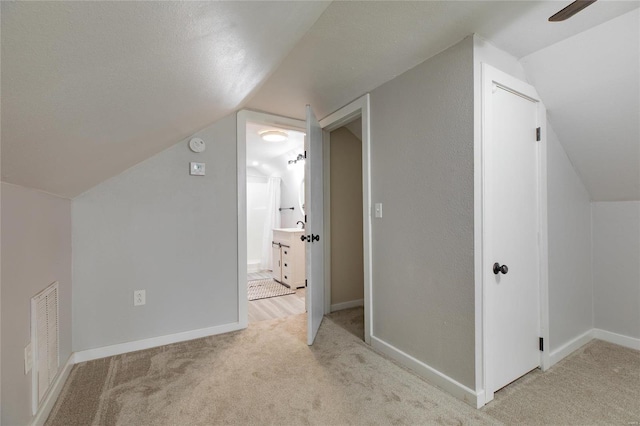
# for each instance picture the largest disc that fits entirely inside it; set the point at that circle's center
(571, 10)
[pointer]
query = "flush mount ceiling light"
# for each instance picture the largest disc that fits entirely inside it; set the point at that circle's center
(274, 136)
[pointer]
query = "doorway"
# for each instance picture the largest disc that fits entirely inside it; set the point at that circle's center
(344, 226)
(318, 290)
(271, 255)
(514, 229)
(352, 118)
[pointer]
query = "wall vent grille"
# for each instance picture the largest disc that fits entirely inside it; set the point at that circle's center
(45, 342)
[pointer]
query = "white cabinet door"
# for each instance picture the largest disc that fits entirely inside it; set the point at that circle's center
(277, 262)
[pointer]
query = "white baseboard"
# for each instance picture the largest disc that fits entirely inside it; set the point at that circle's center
(595, 333)
(51, 398)
(347, 305)
(253, 267)
(432, 375)
(138, 345)
(572, 345)
(618, 339)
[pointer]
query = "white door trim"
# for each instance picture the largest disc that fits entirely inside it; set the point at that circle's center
(490, 77)
(241, 158)
(359, 107)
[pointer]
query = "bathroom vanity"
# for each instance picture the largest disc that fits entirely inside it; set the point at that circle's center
(288, 257)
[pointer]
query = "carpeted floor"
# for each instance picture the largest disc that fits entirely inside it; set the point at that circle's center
(268, 375)
(597, 384)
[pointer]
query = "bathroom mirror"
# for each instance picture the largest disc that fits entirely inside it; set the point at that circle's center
(301, 196)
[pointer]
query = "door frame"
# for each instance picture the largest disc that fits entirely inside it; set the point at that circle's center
(358, 108)
(490, 77)
(242, 118)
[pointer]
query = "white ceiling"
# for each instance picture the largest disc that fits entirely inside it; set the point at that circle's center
(356, 46)
(263, 152)
(590, 84)
(91, 88)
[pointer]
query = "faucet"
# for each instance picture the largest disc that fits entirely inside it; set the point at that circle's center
(301, 223)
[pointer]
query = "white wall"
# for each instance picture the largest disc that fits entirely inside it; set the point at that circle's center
(155, 227)
(422, 157)
(616, 267)
(569, 224)
(256, 216)
(290, 188)
(36, 251)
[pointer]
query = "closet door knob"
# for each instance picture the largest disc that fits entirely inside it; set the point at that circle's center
(498, 269)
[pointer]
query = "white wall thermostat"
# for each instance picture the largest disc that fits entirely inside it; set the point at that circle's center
(197, 169)
(197, 145)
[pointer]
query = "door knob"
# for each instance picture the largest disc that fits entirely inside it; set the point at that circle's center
(305, 238)
(497, 269)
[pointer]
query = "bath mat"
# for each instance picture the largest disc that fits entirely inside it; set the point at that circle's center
(263, 289)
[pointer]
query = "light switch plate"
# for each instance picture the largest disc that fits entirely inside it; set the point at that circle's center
(197, 169)
(378, 210)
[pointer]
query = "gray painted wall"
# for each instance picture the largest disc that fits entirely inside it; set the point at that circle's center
(569, 224)
(616, 267)
(422, 171)
(155, 227)
(347, 263)
(36, 251)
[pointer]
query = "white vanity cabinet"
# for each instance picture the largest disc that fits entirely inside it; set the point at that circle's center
(288, 257)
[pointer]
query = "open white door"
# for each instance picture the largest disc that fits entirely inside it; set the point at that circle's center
(314, 226)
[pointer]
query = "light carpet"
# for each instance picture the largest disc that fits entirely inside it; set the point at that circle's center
(264, 289)
(597, 384)
(267, 374)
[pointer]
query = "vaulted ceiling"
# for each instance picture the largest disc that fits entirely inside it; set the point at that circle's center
(92, 88)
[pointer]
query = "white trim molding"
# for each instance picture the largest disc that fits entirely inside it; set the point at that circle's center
(571, 346)
(429, 373)
(52, 396)
(617, 339)
(242, 118)
(360, 108)
(595, 333)
(138, 345)
(489, 77)
(347, 305)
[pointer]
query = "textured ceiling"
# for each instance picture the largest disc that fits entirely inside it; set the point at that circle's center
(590, 84)
(356, 46)
(92, 88)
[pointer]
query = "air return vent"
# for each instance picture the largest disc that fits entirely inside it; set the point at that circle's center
(44, 341)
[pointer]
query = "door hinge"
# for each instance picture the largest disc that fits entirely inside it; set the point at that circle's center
(538, 134)
(541, 343)
(305, 154)
(305, 218)
(305, 283)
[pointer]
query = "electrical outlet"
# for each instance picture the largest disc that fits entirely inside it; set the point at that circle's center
(27, 358)
(139, 297)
